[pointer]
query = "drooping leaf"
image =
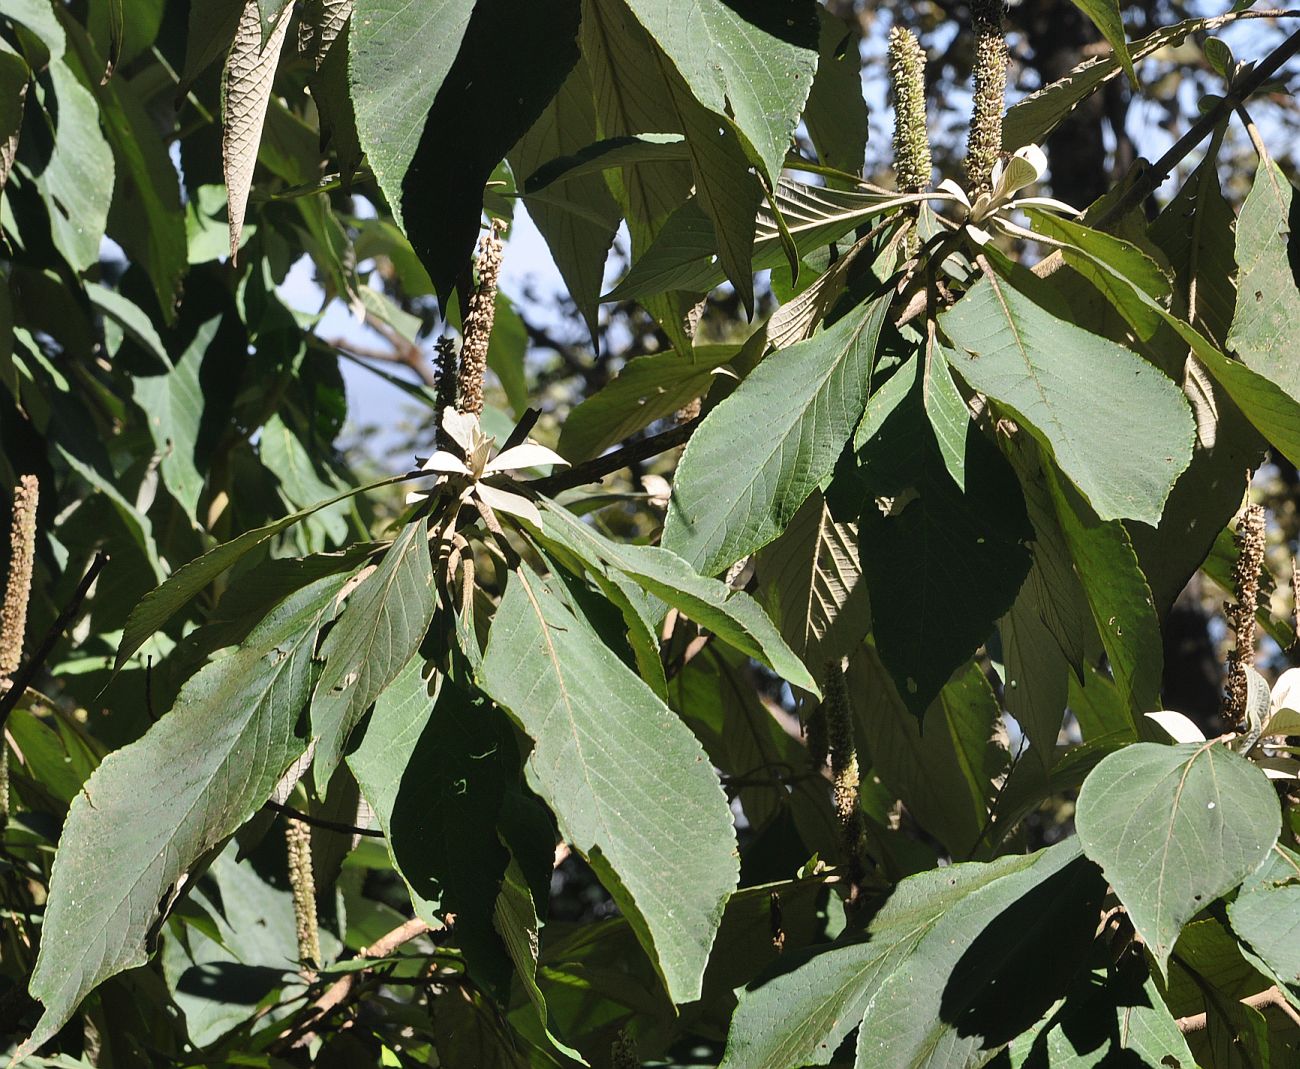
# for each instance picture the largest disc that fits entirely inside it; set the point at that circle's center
(76, 182)
(648, 388)
(1115, 425)
(733, 615)
(1118, 594)
(921, 984)
(153, 808)
(725, 188)
(580, 217)
(14, 78)
(1106, 17)
(435, 771)
(943, 765)
(836, 113)
(811, 582)
(173, 406)
(622, 775)
(633, 98)
(763, 450)
(382, 626)
(1173, 828)
(942, 563)
(1268, 296)
(399, 55)
(246, 92)
(755, 63)
(530, 48)
(1194, 231)
(160, 605)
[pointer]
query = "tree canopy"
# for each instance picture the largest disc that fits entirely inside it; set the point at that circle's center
(757, 655)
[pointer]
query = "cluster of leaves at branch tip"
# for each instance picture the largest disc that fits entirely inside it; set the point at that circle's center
(984, 142)
(478, 321)
(912, 161)
(1250, 538)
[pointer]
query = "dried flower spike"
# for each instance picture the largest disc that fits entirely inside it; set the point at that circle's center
(478, 321)
(844, 774)
(912, 162)
(18, 589)
(984, 142)
(445, 370)
(302, 880)
(1241, 615)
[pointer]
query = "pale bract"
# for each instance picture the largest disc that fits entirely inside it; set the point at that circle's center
(1023, 168)
(472, 473)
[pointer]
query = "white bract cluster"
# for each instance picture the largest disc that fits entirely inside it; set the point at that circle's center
(1270, 718)
(1025, 167)
(471, 474)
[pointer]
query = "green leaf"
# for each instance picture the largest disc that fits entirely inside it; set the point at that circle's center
(1118, 428)
(732, 615)
(530, 49)
(724, 187)
(1031, 119)
(943, 766)
(1268, 300)
(385, 621)
(922, 984)
(921, 538)
(580, 217)
(1122, 272)
(684, 253)
(435, 770)
(1110, 1017)
(1106, 17)
(621, 773)
(38, 16)
(632, 98)
(605, 155)
(1266, 915)
(160, 605)
(648, 388)
(836, 113)
(811, 583)
(1174, 828)
(154, 808)
(399, 54)
(1194, 231)
(76, 182)
(760, 453)
(757, 66)
(173, 407)
(289, 460)
(210, 31)
(1118, 594)
(131, 318)
(146, 218)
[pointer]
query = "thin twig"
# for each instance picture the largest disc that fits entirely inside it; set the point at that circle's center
(594, 470)
(321, 822)
(22, 679)
(1272, 997)
(1199, 130)
(338, 992)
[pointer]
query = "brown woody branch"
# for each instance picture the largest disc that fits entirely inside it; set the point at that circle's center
(1273, 998)
(1199, 130)
(593, 470)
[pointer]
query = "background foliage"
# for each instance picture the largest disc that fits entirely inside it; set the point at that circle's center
(849, 686)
